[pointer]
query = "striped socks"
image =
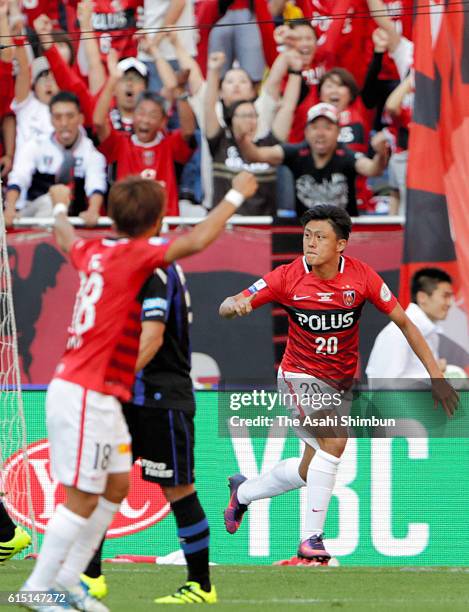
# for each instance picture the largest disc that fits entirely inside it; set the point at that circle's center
(193, 533)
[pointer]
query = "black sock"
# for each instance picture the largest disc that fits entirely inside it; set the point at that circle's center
(7, 526)
(94, 567)
(193, 532)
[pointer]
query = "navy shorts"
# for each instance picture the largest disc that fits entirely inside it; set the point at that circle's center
(164, 442)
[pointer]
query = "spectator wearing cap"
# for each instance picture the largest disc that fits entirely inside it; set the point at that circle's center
(339, 88)
(150, 151)
(66, 156)
(132, 83)
(324, 170)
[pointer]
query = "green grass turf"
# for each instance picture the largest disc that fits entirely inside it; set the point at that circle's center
(133, 587)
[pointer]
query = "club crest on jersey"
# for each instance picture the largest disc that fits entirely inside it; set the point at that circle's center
(148, 157)
(349, 297)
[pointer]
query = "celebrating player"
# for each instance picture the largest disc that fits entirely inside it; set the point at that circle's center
(161, 424)
(89, 440)
(323, 293)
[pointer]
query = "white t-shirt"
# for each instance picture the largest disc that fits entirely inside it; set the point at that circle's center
(392, 357)
(154, 13)
(32, 120)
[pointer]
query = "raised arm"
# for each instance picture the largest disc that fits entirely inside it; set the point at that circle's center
(283, 120)
(272, 155)
(442, 390)
(375, 166)
(23, 77)
(394, 101)
(63, 229)
(96, 70)
(215, 64)
(379, 13)
(6, 55)
(186, 115)
(187, 62)
(100, 115)
(244, 186)
(151, 45)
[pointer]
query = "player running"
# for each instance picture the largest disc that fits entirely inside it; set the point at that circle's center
(89, 440)
(323, 293)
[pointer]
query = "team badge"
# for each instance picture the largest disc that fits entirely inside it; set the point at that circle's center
(385, 294)
(349, 297)
(148, 157)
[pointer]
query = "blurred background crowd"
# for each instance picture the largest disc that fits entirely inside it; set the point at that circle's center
(315, 97)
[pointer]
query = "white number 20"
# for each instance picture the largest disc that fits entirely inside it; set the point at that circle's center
(327, 346)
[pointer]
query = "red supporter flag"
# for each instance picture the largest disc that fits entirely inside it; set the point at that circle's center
(438, 169)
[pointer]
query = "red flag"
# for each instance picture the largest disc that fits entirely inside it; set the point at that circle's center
(438, 170)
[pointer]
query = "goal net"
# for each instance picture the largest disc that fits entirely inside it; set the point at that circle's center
(15, 486)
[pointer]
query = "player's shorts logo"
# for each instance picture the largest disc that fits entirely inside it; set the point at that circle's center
(349, 297)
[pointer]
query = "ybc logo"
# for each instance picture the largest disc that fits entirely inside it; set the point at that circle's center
(349, 297)
(144, 506)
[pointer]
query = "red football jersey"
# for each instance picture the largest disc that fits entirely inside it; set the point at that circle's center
(153, 160)
(116, 21)
(323, 314)
(104, 334)
(33, 8)
(342, 29)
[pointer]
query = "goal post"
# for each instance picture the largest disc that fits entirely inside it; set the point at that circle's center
(15, 484)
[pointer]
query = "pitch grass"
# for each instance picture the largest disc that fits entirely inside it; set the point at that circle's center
(133, 587)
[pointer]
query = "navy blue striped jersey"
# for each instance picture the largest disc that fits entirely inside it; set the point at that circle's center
(165, 381)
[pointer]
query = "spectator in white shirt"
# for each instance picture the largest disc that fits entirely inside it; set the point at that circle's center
(67, 157)
(391, 356)
(31, 106)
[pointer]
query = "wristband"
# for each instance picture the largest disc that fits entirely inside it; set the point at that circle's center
(59, 208)
(234, 197)
(183, 97)
(298, 72)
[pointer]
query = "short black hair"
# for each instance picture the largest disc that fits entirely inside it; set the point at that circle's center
(427, 280)
(153, 97)
(346, 79)
(338, 218)
(65, 96)
(229, 111)
(296, 23)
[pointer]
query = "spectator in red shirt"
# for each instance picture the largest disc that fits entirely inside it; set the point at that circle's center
(150, 151)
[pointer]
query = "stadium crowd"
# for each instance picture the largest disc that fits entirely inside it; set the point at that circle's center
(314, 97)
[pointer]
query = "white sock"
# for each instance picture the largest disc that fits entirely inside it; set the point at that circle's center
(62, 531)
(320, 481)
(282, 477)
(86, 544)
